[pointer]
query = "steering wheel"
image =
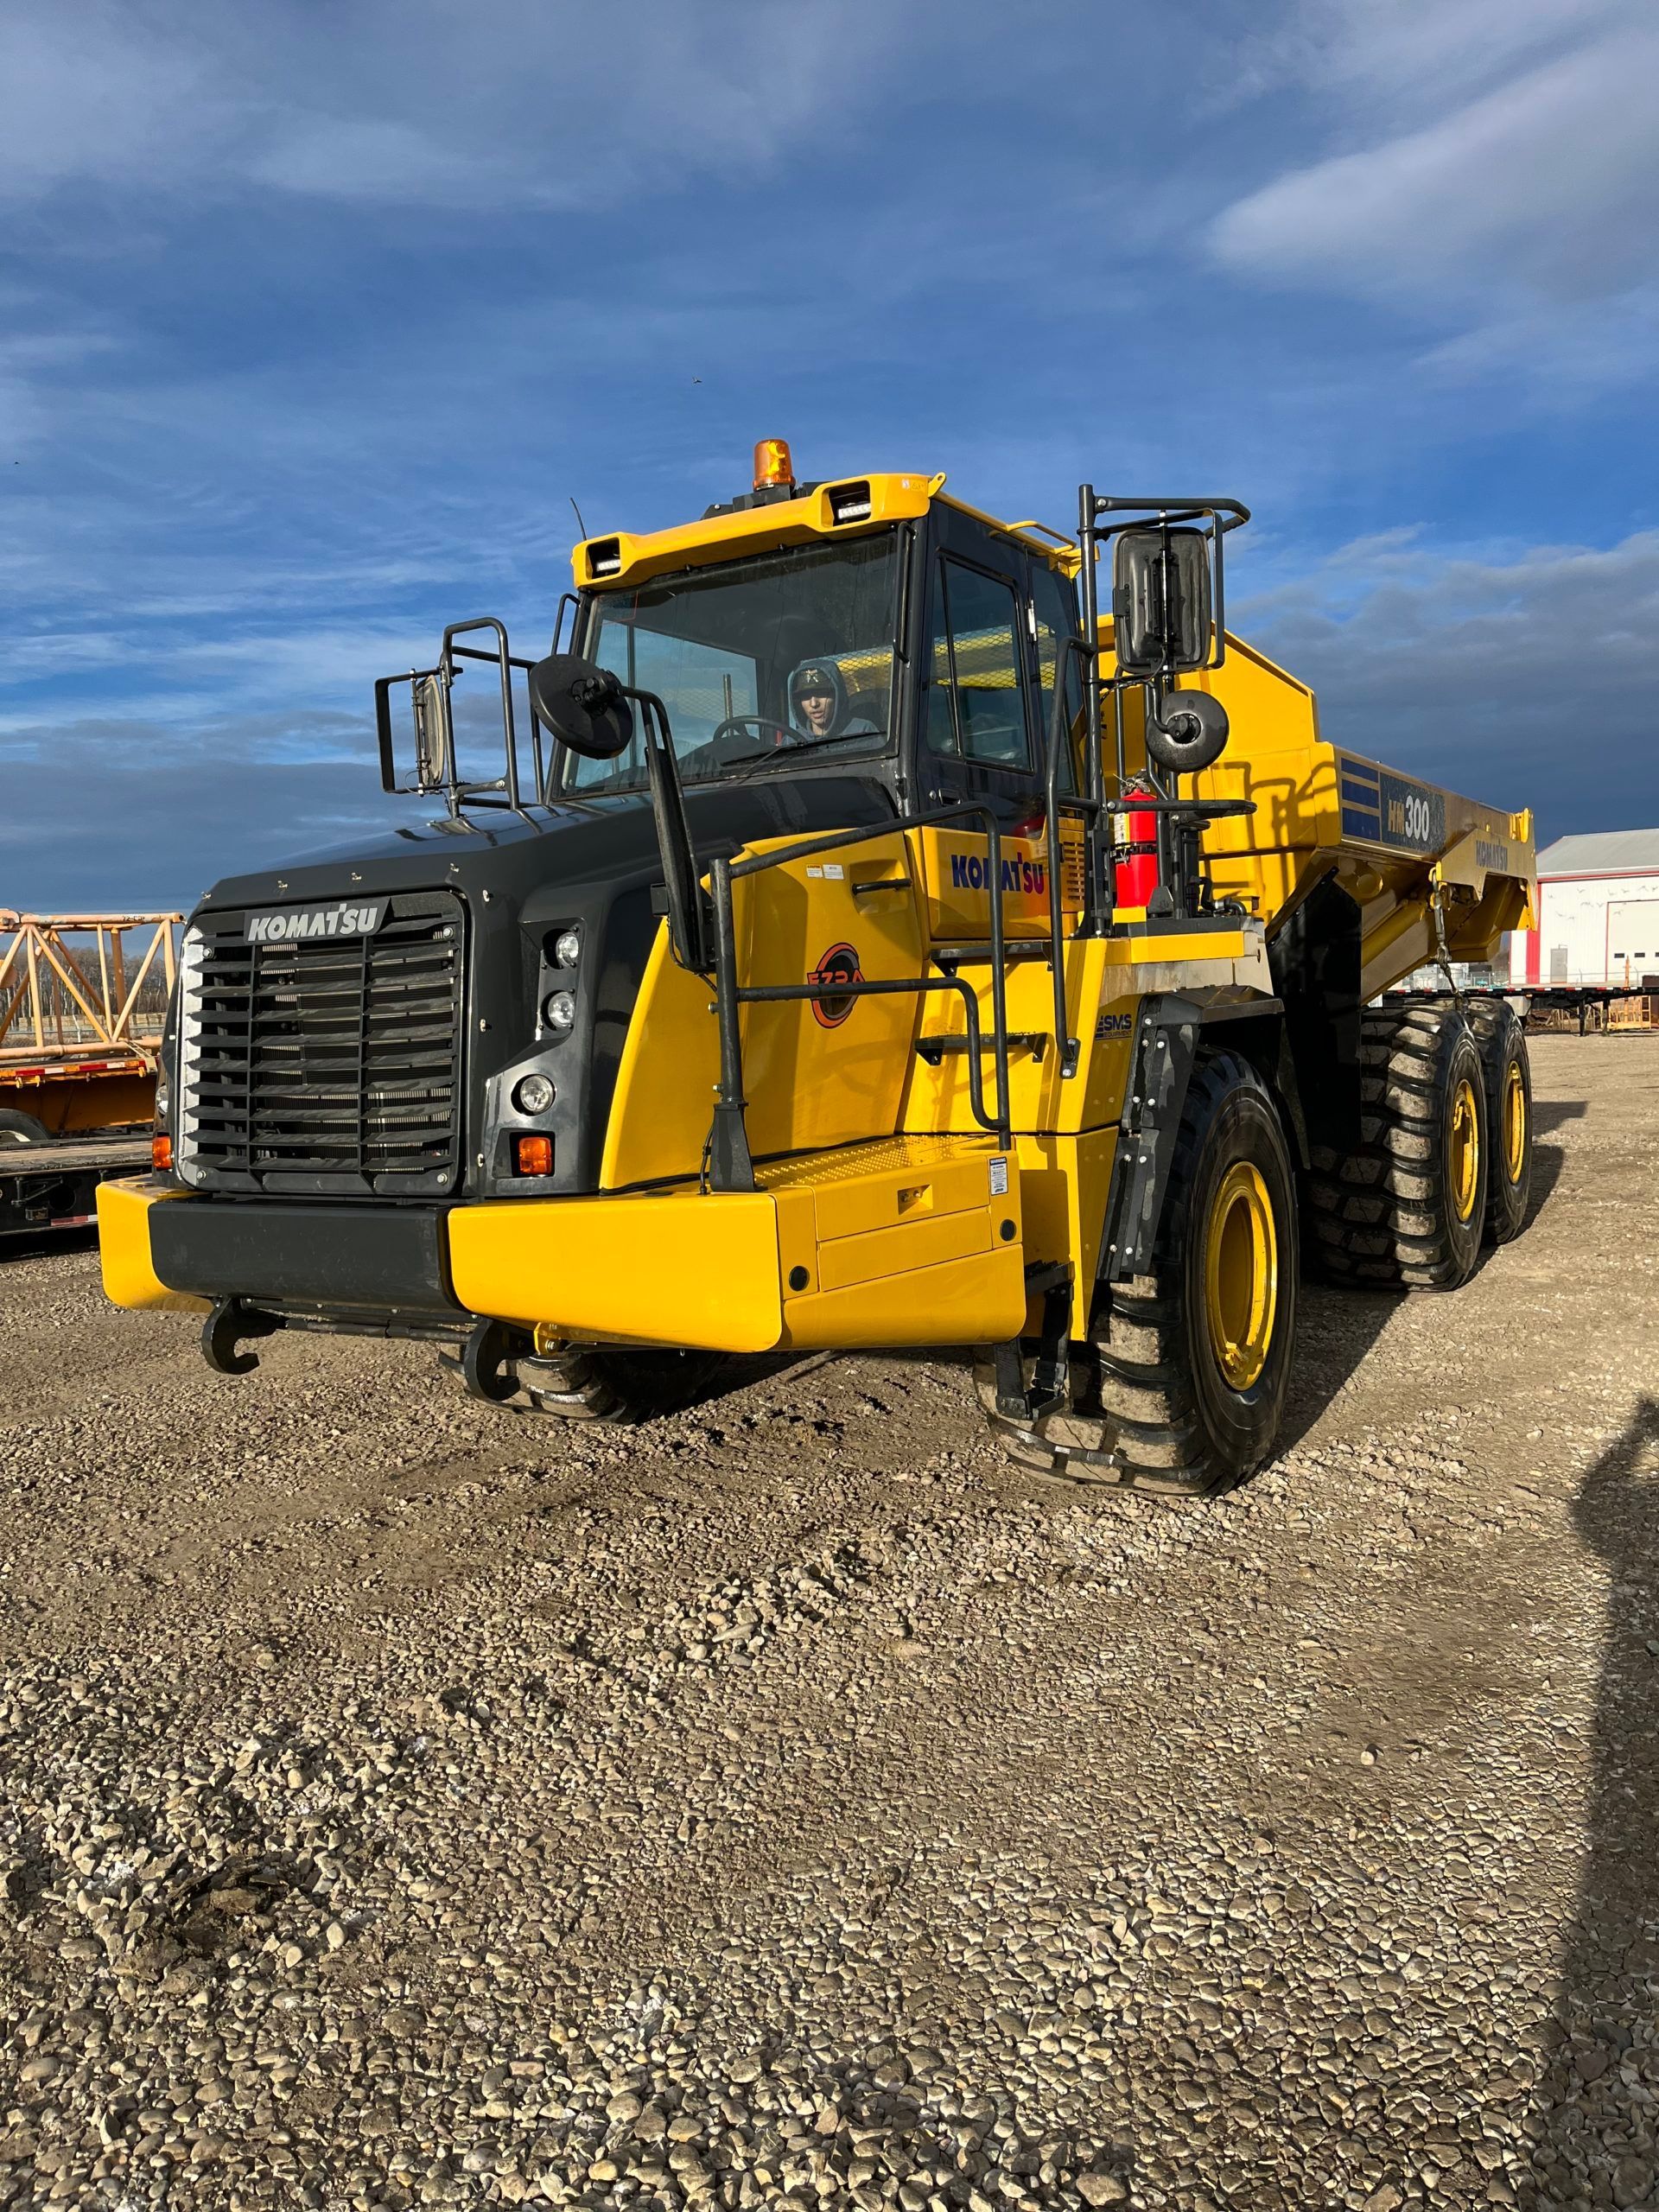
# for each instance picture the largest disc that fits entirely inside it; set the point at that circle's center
(739, 725)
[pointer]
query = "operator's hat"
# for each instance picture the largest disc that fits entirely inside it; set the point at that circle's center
(813, 679)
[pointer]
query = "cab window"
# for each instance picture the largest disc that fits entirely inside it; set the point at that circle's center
(1054, 612)
(976, 707)
(1055, 606)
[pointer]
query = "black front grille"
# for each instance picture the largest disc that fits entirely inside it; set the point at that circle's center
(328, 1064)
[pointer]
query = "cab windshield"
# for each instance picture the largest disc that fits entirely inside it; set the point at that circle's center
(756, 660)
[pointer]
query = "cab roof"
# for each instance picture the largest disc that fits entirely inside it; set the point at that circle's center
(849, 506)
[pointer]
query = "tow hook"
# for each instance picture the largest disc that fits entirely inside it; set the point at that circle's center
(226, 1327)
(488, 1362)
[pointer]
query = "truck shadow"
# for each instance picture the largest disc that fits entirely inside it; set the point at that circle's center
(1592, 2128)
(46, 1243)
(1550, 1114)
(1337, 1327)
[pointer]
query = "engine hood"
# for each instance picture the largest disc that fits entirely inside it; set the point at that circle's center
(590, 841)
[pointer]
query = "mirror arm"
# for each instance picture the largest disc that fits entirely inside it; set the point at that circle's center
(687, 927)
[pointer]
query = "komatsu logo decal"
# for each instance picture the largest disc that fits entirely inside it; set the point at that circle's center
(972, 872)
(298, 922)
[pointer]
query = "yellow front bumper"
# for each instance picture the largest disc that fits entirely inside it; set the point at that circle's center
(911, 1241)
(129, 1276)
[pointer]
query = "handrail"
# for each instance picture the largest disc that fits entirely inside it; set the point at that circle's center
(730, 1166)
(457, 792)
(1089, 806)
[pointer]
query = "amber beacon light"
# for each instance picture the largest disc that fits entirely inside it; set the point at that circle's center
(773, 465)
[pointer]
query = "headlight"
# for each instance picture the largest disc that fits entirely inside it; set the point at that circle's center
(567, 948)
(560, 1012)
(164, 1099)
(534, 1095)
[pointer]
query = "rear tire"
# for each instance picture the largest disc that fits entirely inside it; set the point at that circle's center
(1181, 1388)
(1508, 1115)
(1407, 1208)
(596, 1382)
(17, 1128)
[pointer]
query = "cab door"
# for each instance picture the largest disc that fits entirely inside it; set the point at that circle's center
(979, 730)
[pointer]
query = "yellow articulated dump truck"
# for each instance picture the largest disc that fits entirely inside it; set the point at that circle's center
(882, 926)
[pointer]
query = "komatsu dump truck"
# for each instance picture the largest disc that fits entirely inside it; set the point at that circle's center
(887, 927)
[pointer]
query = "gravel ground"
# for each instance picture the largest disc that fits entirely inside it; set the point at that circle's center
(788, 1803)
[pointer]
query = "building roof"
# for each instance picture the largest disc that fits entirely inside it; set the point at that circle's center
(1606, 852)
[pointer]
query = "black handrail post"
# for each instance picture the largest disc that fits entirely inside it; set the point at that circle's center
(1088, 546)
(999, 983)
(1064, 1044)
(730, 1167)
(687, 936)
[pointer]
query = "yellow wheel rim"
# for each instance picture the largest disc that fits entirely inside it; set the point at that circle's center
(1463, 1149)
(1241, 1265)
(1514, 1122)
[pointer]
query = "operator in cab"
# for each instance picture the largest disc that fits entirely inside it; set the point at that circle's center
(819, 704)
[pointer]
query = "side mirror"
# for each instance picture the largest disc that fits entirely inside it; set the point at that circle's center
(431, 751)
(583, 705)
(1161, 601)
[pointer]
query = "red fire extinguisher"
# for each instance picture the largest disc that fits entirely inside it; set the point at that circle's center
(1135, 854)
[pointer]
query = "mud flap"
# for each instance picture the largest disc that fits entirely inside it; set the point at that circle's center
(1165, 1046)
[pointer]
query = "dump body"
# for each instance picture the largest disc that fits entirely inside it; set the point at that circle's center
(1324, 814)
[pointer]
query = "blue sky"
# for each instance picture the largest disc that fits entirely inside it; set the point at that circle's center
(313, 321)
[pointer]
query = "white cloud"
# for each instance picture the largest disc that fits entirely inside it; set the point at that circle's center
(1547, 183)
(509, 102)
(1495, 171)
(1405, 54)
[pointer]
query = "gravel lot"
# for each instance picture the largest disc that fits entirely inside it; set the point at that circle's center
(406, 1802)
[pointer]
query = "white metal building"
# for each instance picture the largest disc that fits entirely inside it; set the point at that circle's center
(1597, 912)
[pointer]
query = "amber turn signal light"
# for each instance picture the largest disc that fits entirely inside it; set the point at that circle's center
(773, 465)
(533, 1155)
(160, 1153)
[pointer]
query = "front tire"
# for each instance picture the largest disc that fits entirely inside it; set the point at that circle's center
(1194, 1358)
(1181, 1388)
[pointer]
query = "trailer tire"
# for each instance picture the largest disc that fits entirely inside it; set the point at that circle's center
(1503, 1042)
(1407, 1208)
(19, 1128)
(1181, 1388)
(595, 1382)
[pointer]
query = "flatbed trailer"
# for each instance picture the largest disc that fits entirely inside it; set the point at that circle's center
(82, 1001)
(1631, 1009)
(81, 1010)
(53, 1187)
